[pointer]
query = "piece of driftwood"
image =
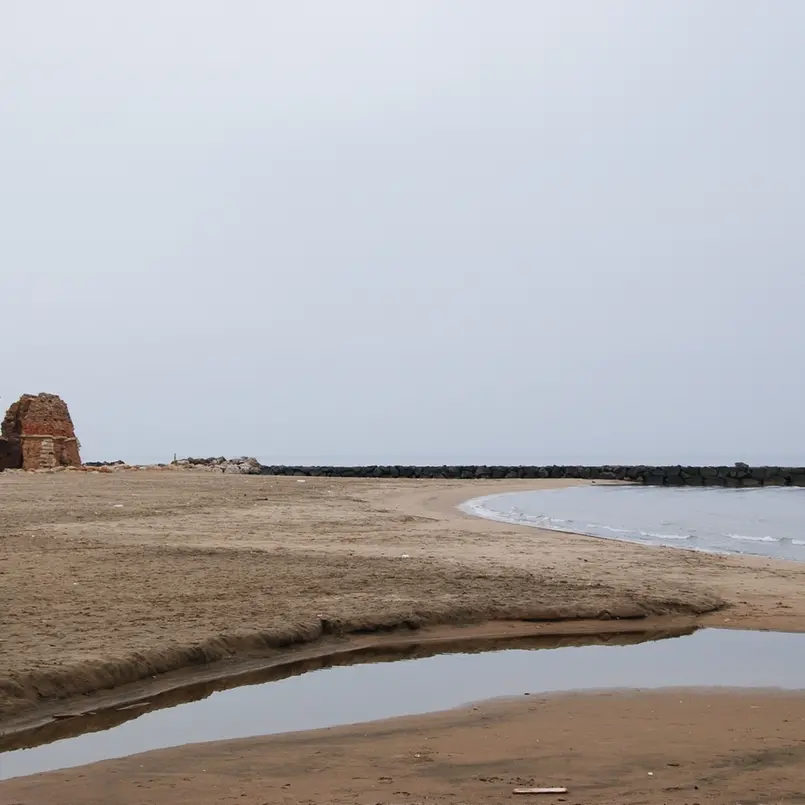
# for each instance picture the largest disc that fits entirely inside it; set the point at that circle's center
(540, 791)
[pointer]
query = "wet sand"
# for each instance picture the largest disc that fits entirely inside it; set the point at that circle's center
(109, 579)
(671, 747)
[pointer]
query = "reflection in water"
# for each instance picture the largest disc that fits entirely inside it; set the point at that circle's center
(104, 719)
(376, 690)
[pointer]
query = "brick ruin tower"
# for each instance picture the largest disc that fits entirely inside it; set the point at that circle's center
(37, 433)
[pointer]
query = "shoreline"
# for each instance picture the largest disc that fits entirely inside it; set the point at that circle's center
(399, 549)
(477, 507)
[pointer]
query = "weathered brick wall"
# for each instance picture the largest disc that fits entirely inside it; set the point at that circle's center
(38, 433)
(10, 455)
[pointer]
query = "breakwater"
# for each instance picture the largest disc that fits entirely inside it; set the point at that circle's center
(739, 475)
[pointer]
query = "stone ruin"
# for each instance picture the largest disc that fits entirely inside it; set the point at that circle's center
(37, 434)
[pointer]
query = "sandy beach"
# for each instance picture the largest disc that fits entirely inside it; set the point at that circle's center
(671, 747)
(111, 579)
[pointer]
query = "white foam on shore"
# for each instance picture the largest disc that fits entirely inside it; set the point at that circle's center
(514, 516)
(492, 507)
(478, 508)
(657, 535)
(744, 538)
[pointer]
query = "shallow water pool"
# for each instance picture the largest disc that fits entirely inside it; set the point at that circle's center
(357, 693)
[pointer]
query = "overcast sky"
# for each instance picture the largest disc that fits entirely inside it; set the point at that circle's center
(408, 230)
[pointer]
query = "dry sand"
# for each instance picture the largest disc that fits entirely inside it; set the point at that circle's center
(108, 579)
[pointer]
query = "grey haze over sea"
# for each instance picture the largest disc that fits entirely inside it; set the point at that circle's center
(767, 521)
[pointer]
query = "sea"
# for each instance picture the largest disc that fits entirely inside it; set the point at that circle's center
(764, 521)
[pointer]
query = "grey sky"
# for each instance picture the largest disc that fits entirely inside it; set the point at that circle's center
(419, 230)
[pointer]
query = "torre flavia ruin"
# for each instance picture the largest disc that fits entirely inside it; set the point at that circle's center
(37, 433)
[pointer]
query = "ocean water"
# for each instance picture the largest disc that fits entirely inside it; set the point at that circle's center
(765, 521)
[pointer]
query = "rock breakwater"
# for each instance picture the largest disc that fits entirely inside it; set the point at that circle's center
(739, 475)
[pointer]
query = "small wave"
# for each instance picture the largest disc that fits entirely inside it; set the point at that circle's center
(664, 536)
(634, 534)
(517, 516)
(477, 508)
(610, 528)
(513, 516)
(709, 539)
(744, 538)
(522, 517)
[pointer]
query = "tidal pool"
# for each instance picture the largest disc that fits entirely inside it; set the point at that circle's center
(378, 690)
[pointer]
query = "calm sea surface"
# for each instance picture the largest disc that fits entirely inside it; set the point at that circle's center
(766, 521)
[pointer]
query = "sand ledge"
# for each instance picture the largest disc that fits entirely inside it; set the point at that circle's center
(33, 695)
(100, 710)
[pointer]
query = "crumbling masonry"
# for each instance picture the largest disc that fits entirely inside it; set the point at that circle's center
(37, 434)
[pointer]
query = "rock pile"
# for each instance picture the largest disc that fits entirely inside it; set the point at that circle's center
(37, 434)
(245, 465)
